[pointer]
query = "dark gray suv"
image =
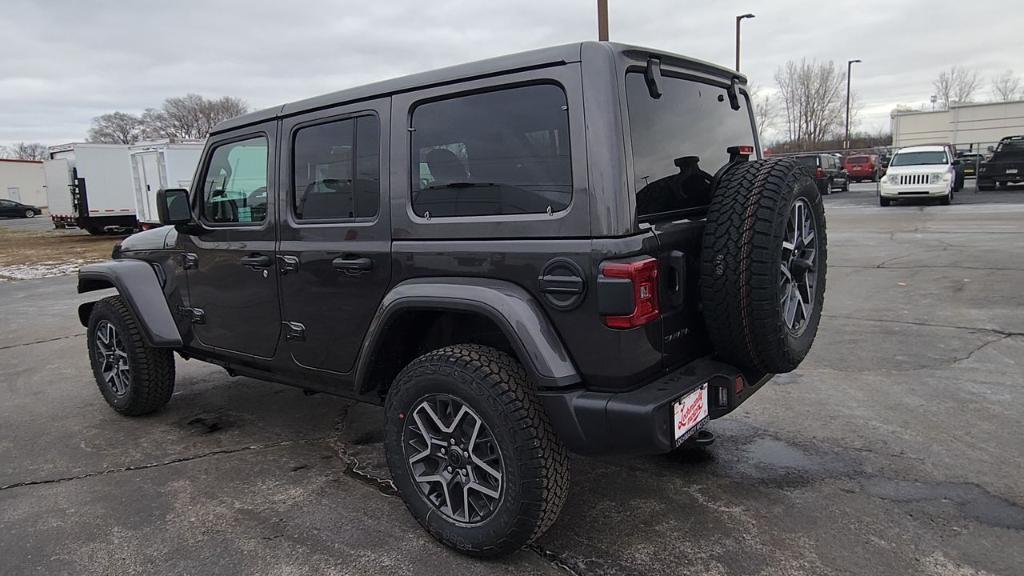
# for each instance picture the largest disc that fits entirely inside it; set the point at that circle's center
(575, 248)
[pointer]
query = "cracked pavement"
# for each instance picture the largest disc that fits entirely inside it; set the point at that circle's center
(894, 449)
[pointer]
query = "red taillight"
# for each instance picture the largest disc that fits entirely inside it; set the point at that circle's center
(819, 173)
(644, 276)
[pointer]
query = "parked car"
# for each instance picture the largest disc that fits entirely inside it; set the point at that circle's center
(495, 255)
(863, 167)
(919, 172)
(13, 209)
(826, 170)
(970, 162)
(1006, 165)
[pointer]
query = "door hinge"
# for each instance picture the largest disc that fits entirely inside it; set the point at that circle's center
(190, 261)
(294, 332)
(288, 264)
(195, 315)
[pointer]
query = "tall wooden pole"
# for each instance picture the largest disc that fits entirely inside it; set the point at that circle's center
(602, 20)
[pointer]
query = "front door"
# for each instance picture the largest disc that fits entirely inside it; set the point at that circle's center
(230, 259)
(334, 252)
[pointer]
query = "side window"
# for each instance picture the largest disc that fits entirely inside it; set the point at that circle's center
(336, 170)
(235, 186)
(492, 153)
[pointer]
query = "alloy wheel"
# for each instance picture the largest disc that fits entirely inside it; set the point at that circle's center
(798, 277)
(114, 357)
(454, 458)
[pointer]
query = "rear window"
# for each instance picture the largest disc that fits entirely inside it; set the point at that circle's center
(809, 161)
(858, 160)
(680, 141)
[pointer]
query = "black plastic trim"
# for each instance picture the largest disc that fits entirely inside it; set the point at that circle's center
(137, 283)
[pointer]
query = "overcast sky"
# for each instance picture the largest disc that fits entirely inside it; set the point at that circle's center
(65, 62)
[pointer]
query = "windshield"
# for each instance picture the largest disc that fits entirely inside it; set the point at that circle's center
(680, 141)
(918, 158)
(1015, 145)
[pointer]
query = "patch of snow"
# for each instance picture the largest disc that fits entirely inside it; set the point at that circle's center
(41, 269)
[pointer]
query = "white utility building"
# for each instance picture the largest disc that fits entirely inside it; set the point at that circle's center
(967, 126)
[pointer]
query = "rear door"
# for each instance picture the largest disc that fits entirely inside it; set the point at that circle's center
(335, 244)
(678, 143)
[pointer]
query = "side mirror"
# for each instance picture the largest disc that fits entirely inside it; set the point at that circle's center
(172, 206)
(957, 162)
(991, 149)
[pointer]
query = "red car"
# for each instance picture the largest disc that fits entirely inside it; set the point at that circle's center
(862, 167)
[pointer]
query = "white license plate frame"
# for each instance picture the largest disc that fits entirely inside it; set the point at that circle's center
(690, 413)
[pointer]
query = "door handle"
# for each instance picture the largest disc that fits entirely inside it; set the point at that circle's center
(355, 264)
(257, 261)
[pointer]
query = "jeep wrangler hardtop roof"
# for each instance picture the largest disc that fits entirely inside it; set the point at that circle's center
(531, 59)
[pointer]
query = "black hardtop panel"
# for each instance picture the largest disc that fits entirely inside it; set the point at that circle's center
(531, 59)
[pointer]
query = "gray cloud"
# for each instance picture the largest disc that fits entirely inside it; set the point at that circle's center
(67, 62)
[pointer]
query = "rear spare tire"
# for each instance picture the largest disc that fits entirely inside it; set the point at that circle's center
(763, 265)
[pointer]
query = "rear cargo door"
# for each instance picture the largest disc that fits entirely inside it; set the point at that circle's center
(58, 187)
(679, 142)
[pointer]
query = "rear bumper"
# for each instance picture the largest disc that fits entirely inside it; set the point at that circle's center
(641, 421)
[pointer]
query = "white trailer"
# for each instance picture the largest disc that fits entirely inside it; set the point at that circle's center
(89, 186)
(160, 165)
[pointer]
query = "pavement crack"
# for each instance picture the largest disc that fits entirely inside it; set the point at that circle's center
(552, 558)
(160, 464)
(354, 470)
(43, 341)
(925, 324)
(980, 347)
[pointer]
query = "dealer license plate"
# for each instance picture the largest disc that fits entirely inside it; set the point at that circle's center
(690, 412)
(1011, 170)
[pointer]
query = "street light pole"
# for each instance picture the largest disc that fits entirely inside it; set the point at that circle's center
(738, 18)
(602, 20)
(849, 67)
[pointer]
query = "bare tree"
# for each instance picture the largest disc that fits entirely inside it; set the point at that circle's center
(191, 116)
(812, 95)
(116, 128)
(1006, 86)
(25, 151)
(956, 85)
(766, 110)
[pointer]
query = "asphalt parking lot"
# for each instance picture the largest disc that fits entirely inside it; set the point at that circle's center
(894, 449)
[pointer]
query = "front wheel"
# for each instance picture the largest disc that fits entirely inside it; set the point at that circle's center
(883, 202)
(30, 213)
(134, 378)
(471, 450)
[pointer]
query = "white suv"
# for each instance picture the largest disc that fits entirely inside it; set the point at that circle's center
(919, 172)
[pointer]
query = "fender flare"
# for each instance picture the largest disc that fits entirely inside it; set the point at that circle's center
(517, 313)
(137, 283)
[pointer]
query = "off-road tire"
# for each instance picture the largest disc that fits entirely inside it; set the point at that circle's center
(740, 265)
(152, 369)
(535, 463)
(985, 185)
(883, 202)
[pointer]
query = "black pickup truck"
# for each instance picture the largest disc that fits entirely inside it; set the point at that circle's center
(1005, 167)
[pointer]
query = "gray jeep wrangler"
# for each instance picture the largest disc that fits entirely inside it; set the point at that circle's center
(570, 249)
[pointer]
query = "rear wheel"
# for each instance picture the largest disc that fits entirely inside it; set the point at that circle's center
(133, 377)
(763, 265)
(471, 450)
